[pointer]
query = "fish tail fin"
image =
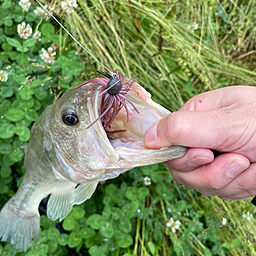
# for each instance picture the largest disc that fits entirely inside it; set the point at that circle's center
(19, 227)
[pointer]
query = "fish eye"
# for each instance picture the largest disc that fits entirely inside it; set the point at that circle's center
(69, 117)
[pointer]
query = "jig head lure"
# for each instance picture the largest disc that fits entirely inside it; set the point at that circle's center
(113, 87)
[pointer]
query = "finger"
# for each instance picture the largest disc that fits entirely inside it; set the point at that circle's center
(209, 100)
(238, 196)
(205, 129)
(216, 99)
(215, 175)
(194, 158)
(215, 117)
(242, 186)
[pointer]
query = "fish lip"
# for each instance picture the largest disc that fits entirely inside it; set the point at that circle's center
(101, 134)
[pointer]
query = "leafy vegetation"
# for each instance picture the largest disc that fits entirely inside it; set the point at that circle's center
(178, 49)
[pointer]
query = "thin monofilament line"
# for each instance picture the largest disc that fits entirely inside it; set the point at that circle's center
(73, 37)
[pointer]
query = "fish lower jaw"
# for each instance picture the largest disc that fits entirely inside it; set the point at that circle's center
(127, 140)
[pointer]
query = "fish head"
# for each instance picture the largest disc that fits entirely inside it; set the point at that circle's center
(73, 150)
(85, 154)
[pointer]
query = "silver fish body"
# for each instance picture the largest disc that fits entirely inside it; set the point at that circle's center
(68, 161)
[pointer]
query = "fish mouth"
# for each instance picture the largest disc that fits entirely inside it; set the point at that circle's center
(123, 141)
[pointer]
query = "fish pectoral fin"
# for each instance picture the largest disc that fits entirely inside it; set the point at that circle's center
(59, 204)
(83, 192)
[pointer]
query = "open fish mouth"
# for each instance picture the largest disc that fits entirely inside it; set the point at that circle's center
(123, 141)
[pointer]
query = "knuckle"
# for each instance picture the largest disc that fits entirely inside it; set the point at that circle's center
(175, 127)
(213, 183)
(240, 186)
(206, 193)
(244, 188)
(178, 165)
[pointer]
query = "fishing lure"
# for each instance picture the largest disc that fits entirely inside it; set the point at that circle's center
(114, 87)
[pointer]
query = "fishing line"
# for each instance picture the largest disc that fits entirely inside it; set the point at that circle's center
(112, 74)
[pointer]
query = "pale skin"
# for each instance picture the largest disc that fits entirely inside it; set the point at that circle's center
(223, 120)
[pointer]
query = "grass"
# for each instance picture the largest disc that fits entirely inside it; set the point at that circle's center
(154, 39)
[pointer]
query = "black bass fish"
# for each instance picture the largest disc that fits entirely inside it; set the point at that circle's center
(67, 157)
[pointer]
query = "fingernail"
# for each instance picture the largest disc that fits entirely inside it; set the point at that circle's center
(235, 168)
(198, 160)
(151, 133)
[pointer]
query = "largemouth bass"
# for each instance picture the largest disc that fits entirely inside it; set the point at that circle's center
(67, 159)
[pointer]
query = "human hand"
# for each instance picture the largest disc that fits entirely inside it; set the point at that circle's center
(223, 120)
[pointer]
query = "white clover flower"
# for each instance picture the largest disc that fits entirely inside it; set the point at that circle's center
(72, 3)
(3, 76)
(64, 5)
(37, 36)
(224, 221)
(38, 11)
(147, 181)
(24, 31)
(68, 5)
(48, 56)
(25, 4)
(248, 216)
(174, 225)
(193, 27)
(41, 12)
(55, 46)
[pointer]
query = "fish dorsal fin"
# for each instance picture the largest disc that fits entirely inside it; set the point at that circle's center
(59, 205)
(83, 192)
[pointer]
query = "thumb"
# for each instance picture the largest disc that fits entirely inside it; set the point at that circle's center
(213, 119)
(205, 129)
